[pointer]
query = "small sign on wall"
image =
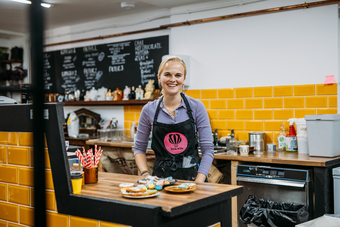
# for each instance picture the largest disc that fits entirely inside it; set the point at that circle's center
(329, 79)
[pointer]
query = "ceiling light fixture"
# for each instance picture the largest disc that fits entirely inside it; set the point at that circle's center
(46, 5)
(127, 5)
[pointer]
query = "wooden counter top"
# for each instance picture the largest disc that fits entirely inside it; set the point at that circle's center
(172, 204)
(117, 143)
(281, 157)
(278, 157)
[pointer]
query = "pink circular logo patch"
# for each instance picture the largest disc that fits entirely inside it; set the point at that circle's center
(175, 142)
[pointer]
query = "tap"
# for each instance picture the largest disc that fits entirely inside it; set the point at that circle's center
(215, 137)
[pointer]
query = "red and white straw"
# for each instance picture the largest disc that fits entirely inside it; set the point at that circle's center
(89, 159)
(80, 157)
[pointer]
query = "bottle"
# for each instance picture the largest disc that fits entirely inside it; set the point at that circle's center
(108, 95)
(232, 144)
(82, 94)
(66, 96)
(132, 93)
(139, 93)
(126, 93)
(291, 138)
(292, 131)
(281, 139)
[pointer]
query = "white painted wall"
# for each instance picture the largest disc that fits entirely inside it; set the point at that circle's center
(287, 48)
(108, 27)
(4, 43)
(284, 48)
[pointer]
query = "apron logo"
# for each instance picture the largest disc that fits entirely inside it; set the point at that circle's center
(175, 139)
(175, 143)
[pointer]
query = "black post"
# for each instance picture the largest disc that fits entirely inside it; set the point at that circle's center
(36, 34)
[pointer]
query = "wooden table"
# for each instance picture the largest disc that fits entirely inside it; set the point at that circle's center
(207, 205)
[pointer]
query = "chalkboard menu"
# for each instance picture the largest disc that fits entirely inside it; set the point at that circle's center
(129, 63)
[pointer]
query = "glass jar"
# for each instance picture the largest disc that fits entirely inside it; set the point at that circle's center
(259, 146)
(232, 146)
(102, 134)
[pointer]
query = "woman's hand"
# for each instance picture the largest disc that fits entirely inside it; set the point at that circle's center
(141, 162)
(200, 178)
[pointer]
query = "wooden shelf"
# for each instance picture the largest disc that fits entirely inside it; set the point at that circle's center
(11, 61)
(12, 88)
(108, 103)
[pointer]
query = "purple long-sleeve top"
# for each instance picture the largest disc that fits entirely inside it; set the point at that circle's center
(202, 124)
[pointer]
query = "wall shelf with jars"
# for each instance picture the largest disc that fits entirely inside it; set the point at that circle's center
(108, 103)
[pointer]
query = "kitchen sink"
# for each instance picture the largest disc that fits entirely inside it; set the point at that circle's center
(217, 149)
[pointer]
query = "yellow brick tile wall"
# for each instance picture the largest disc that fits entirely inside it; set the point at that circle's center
(16, 186)
(258, 108)
(266, 108)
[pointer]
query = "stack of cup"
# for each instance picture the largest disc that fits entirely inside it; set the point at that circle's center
(77, 179)
(302, 140)
(244, 149)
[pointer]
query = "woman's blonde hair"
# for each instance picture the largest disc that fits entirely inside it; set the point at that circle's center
(173, 59)
(170, 59)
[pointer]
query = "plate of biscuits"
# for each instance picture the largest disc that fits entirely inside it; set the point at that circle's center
(138, 193)
(153, 182)
(182, 188)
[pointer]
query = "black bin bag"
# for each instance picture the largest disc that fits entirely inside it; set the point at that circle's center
(270, 213)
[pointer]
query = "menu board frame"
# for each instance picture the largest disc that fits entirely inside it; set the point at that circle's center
(111, 65)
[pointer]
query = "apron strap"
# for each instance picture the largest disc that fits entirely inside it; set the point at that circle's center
(189, 111)
(157, 111)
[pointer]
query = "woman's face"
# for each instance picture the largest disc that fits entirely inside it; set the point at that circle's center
(172, 78)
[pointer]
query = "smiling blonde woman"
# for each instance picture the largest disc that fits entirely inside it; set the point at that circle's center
(175, 120)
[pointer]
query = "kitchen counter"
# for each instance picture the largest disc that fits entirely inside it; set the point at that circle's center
(278, 157)
(211, 201)
(281, 157)
(320, 167)
(117, 143)
(79, 141)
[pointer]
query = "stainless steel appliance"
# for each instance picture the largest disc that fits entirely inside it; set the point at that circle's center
(253, 136)
(274, 184)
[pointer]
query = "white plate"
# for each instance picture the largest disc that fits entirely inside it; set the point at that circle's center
(141, 197)
(126, 185)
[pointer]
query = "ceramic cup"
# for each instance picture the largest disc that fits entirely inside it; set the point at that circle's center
(91, 175)
(244, 149)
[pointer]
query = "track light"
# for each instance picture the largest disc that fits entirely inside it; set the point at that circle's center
(127, 5)
(46, 5)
